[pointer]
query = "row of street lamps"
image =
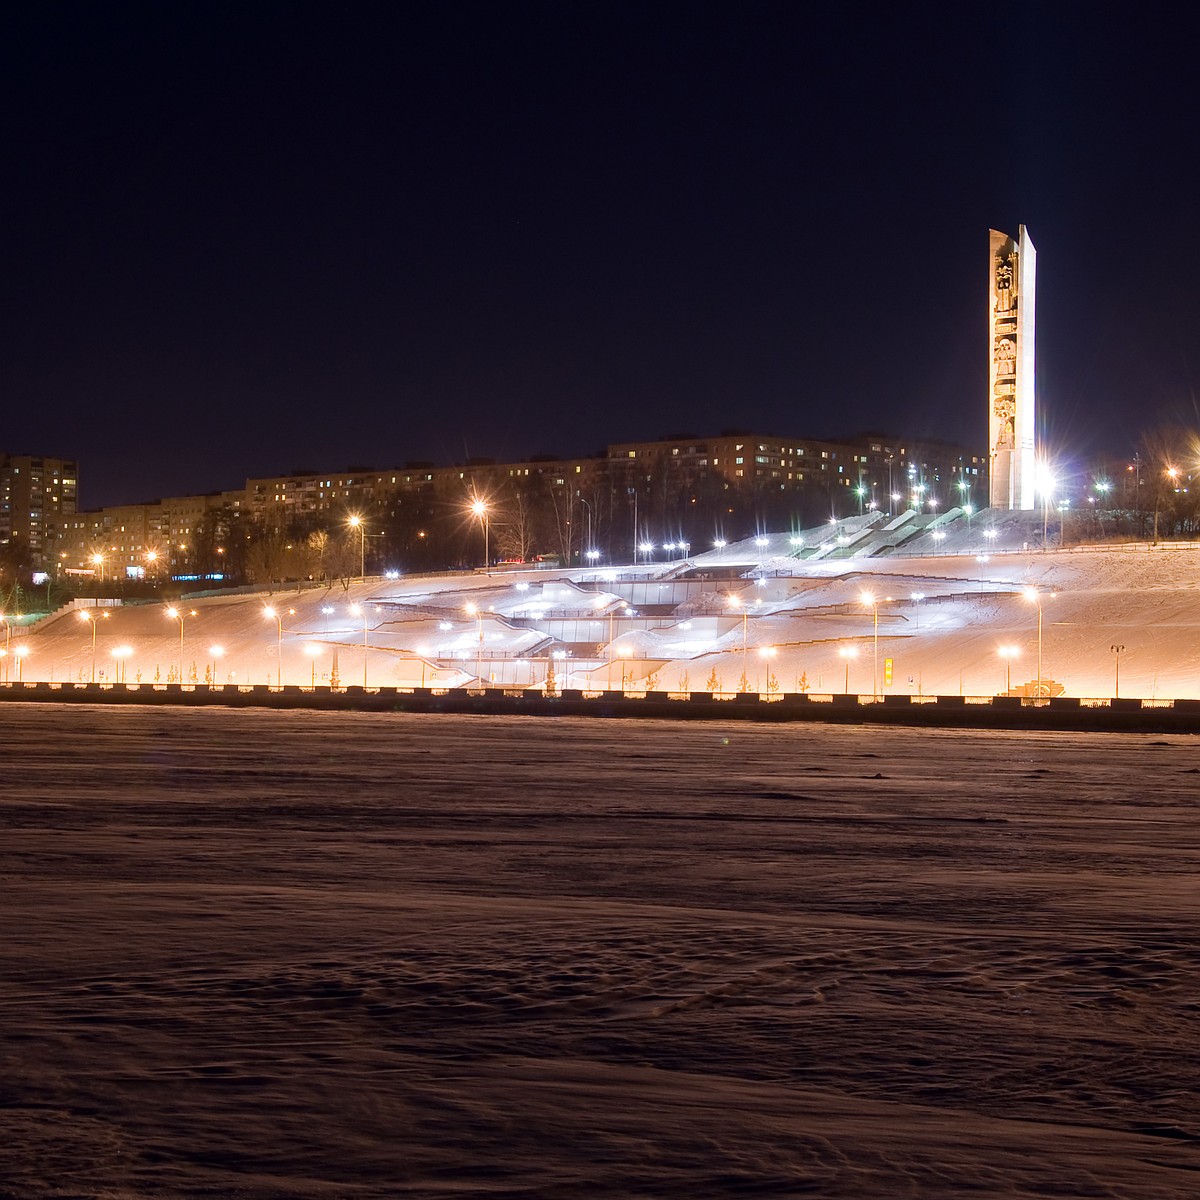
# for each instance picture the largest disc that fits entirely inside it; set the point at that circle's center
(20, 653)
(93, 617)
(871, 601)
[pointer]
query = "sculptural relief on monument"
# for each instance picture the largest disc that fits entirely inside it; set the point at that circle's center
(1006, 357)
(1010, 369)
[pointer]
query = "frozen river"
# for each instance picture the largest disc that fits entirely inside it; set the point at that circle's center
(264, 954)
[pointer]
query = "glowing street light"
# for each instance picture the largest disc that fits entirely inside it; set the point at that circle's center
(611, 618)
(1035, 597)
(480, 510)
(766, 653)
(313, 650)
(176, 614)
(360, 610)
(870, 601)
(719, 544)
(1117, 652)
(735, 604)
(356, 522)
(1008, 653)
(1045, 483)
(21, 653)
(121, 655)
(216, 653)
(7, 639)
(848, 653)
(275, 615)
(473, 611)
(916, 598)
(92, 616)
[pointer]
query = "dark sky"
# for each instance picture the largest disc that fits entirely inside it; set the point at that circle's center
(241, 239)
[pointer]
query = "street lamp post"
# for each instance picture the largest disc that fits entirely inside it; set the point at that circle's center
(586, 504)
(626, 677)
(359, 610)
(873, 602)
(736, 604)
(1035, 597)
(474, 612)
(848, 653)
(1117, 652)
(277, 617)
(22, 653)
(480, 509)
(1046, 484)
(611, 618)
(177, 614)
(312, 650)
(1008, 653)
(120, 654)
(92, 616)
(916, 598)
(217, 652)
(356, 522)
(766, 653)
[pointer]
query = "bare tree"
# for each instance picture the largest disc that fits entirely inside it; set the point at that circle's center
(343, 559)
(515, 534)
(267, 558)
(561, 530)
(318, 546)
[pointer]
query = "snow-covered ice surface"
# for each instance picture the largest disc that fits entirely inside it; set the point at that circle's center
(264, 954)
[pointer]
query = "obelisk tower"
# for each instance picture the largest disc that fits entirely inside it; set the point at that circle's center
(1012, 274)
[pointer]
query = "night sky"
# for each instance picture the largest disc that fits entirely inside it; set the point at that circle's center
(244, 239)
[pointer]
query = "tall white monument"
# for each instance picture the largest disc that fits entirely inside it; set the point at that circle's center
(1012, 274)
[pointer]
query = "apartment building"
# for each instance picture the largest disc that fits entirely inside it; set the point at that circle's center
(36, 491)
(868, 469)
(881, 466)
(132, 540)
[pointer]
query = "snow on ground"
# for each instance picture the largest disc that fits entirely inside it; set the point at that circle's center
(292, 954)
(942, 622)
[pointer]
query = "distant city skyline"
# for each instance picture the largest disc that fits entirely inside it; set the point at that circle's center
(242, 243)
